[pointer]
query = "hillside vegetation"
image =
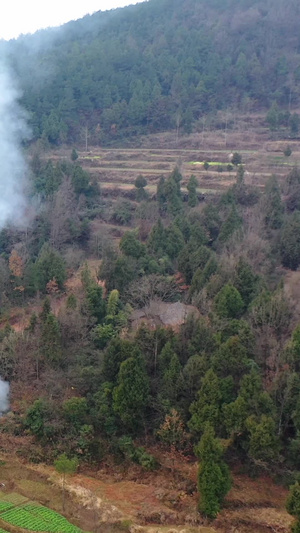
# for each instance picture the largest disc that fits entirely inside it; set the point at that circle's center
(149, 306)
(90, 381)
(158, 65)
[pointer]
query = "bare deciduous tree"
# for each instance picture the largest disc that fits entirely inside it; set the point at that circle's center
(62, 213)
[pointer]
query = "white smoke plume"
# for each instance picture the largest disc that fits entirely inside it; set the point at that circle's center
(13, 169)
(4, 396)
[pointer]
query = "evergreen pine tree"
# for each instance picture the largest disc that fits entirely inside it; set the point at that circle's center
(214, 479)
(192, 189)
(290, 242)
(273, 205)
(131, 396)
(293, 506)
(207, 407)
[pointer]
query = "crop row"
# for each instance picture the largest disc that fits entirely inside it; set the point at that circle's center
(21, 518)
(55, 518)
(38, 518)
(4, 506)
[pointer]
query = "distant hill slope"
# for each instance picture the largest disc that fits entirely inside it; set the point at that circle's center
(157, 65)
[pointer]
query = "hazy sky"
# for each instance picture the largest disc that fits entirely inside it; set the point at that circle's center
(27, 16)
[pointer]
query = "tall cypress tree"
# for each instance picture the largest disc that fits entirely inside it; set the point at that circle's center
(273, 205)
(130, 397)
(214, 480)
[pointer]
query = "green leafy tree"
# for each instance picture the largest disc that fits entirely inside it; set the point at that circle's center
(211, 221)
(202, 276)
(96, 302)
(75, 411)
(273, 206)
(273, 117)
(174, 241)
(240, 177)
(50, 266)
(294, 124)
(131, 396)
(48, 180)
(231, 359)
(164, 357)
(171, 380)
(46, 309)
(177, 177)
(230, 225)
(192, 189)
(174, 202)
(131, 246)
(263, 441)
(140, 184)
(236, 159)
(80, 180)
(189, 260)
(104, 417)
(249, 418)
(293, 506)
(294, 350)
(122, 212)
(35, 419)
(228, 302)
(51, 340)
(102, 334)
(246, 281)
(119, 272)
(290, 242)
(156, 241)
(63, 465)
(113, 303)
(198, 235)
(161, 195)
(207, 407)
(287, 151)
(118, 351)
(54, 129)
(214, 480)
(74, 154)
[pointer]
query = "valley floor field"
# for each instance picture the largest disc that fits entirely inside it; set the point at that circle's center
(124, 498)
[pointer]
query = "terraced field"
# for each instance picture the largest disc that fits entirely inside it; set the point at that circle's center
(21, 513)
(117, 168)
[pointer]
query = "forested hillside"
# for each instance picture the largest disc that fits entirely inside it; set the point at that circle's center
(157, 65)
(149, 302)
(90, 379)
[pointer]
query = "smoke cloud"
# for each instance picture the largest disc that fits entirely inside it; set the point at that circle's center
(13, 169)
(4, 396)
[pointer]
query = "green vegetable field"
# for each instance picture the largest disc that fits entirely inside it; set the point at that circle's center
(18, 512)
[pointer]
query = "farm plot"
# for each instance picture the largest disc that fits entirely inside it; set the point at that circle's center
(36, 518)
(4, 506)
(14, 498)
(51, 517)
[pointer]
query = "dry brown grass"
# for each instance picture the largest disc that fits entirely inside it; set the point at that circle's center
(157, 154)
(115, 494)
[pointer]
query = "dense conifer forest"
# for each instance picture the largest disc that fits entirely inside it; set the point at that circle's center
(157, 65)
